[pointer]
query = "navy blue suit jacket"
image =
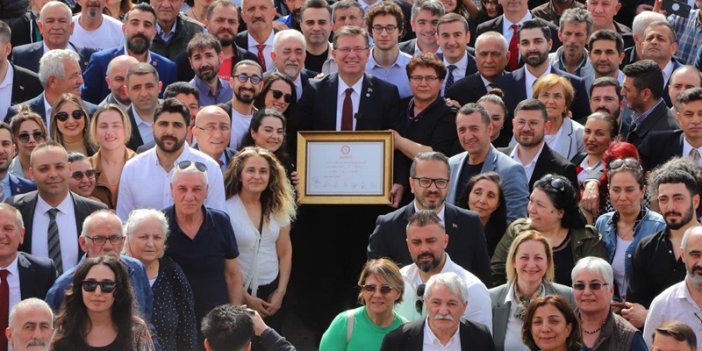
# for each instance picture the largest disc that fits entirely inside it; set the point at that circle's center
(36, 275)
(95, 87)
(36, 104)
(25, 85)
(19, 185)
(661, 146)
(28, 55)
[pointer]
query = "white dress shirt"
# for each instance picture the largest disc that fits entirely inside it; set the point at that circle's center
(145, 184)
(458, 72)
(673, 303)
(144, 128)
(530, 79)
(667, 72)
(240, 126)
(529, 167)
(6, 91)
(355, 100)
(67, 228)
(266, 51)
(432, 343)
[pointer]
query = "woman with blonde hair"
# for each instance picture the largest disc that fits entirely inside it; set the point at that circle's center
(565, 135)
(69, 124)
(261, 205)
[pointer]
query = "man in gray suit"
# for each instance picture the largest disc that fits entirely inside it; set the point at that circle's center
(474, 128)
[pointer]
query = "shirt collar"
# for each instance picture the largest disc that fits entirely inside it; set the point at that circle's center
(401, 60)
(356, 87)
(440, 213)
(431, 339)
(12, 267)
(530, 78)
(667, 71)
(508, 24)
(64, 207)
(9, 76)
(268, 42)
(515, 155)
(138, 119)
(47, 106)
(148, 53)
(160, 31)
(461, 64)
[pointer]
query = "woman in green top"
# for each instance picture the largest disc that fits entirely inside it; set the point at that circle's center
(364, 328)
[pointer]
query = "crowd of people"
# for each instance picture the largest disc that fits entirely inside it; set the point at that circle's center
(544, 190)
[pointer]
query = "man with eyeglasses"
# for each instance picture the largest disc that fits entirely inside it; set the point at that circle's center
(429, 182)
(657, 263)
(427, 241)
(205, 56)
(10, 184)
(474, 129)
(142, 86)
(530, 124)
(246, 82)
(385, 22)
(53, 216)
(211, 130)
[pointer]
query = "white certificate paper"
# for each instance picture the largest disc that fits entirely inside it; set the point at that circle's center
(343, 168)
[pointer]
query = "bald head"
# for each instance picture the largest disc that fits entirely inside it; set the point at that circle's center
(683, 78)
(212, 130)
(117, 76)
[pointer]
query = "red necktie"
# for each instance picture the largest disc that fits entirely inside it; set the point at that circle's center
(513, 63)
(261, 58)
(347, 111)
(4, 307)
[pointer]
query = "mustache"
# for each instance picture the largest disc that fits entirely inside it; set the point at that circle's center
(36, 342)
(672, 213)
(140, 35)
(257, 19)
(443, 317)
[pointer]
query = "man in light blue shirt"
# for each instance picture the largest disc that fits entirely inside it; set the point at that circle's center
(205, 56)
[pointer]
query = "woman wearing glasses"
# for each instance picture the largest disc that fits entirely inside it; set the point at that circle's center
(551, 325)
(69, 124)
(602, 329)
(630, 222)
(529, 275)
(28, 130)
(82, 180)
(364, 328)
(99, 312)
(110, 129)
(278, 93)
(553, 211)
(173, 315)
(261, 206)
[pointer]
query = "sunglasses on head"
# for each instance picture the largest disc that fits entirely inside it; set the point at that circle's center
(371, 288)
(554, 182)
(419, 305)
(288, 98)
(199, 165)
(78, 175)
(36, 135)
(594, 286)
(106, 286)
(76, 114)
(628, 162)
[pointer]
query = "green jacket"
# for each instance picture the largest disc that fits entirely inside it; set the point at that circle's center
(585, 242)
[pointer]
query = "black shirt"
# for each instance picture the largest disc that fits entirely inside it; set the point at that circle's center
(563, 262)
(467, 171)
(654, 268)
(315, 62)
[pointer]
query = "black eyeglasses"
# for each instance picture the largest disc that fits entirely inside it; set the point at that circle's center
(106, 286)
(38, 136)
(594, 286)
(78, 175)
(76, 114)
(628, 162)
(554, 182)
(419, 305)
(441, 183)
(288, 98)
(243, 77)
(199, 165)
(371, 288)
(101, 240)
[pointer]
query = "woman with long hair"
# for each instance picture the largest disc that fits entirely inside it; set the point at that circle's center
(278, 92)
(486, 198)
(28, 131)
(69, 124)
(268, 130)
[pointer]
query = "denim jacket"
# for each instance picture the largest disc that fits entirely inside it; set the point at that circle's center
(648, 223)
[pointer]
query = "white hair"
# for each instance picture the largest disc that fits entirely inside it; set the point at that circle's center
(594, 265)
(104, 214)
(451, 281)
(30, 303)
(52, 64)
(493, 35)
(642, 20)
(190, 169)
(287, 34)
(138, 216)
(52, 4)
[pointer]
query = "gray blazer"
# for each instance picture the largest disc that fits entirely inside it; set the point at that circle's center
(501, 309)
(571, 142)
(515, 184)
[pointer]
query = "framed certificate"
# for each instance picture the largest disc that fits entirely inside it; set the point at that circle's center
(345, 167)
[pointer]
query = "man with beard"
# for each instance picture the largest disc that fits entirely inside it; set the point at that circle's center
(116, 79)
(10, 184)
(429, 182)
(575, 28)
(453, 36)
(95, 30)
(289, 55)
(680, 300)
(258, 38)
(530, 124)
(656, 264)
(605, 96)
(31, 325)
(660, 44)
(139, 30)
(426, 240)
(145, 180)
(205, 53)
(317, 25)
(222, 21)
(246, 83)
(606, 54)
(174, 30)
(142, 86)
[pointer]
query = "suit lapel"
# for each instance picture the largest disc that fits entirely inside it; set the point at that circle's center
(25, 269)
(415, 339)
(364, 108)
(330, 88)
(28, 212)
(80, 212)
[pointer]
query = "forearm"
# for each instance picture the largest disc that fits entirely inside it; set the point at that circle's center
(235, 286)
(410, 148)
(285, 266)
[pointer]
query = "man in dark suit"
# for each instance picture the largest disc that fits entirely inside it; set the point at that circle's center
(453, 35)
(258, 38)
(139, 30)
(425, 17)
(142, 86)
(56, 26)
(467, 245)
(530, 124)
(448, 294)
(288, 55)
(659, 44)
(643, 90)
(534, 45)
(25, 84)
(661, 146)
(61, 73)
(53, 216)
(222, 21)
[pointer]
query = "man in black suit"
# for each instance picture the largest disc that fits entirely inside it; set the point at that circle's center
(53, 216)
(448, 294)
(659, 44)
(534, 44)
(661, 146)
(530, 124)
(56, 26)
(59, 72)
(289, 54)
(25, 84)
(467, 245)
(643, 90)
(258, 36)
(425, 17)
(143, 86)
(453, 35)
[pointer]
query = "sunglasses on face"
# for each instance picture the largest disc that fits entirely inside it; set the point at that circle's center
(78, 175)
(371, 288)
(106, 286)
(36, 135)
(243, 78)
(199, 165)
(76, 114)
(288, 98)
(594, 286)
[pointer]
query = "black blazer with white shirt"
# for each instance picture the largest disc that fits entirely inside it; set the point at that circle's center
(36, 275)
